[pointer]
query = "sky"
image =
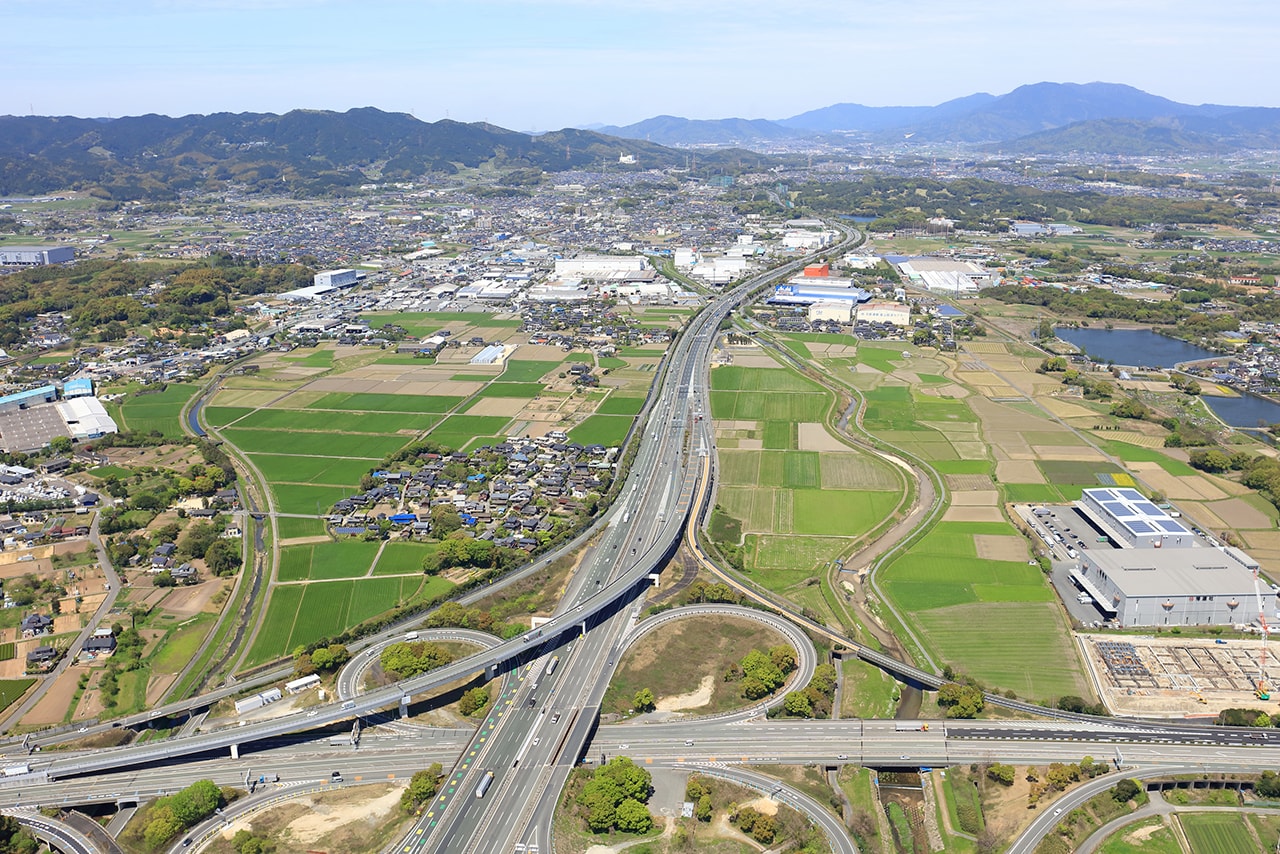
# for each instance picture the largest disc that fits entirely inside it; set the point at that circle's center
(534, 65)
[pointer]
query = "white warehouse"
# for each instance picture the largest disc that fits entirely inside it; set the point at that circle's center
(1134, 522)
(600, 266)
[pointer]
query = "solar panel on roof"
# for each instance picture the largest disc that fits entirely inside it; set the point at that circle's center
(1171, 526)
(1131, 494)
(1115, 508)
(1139, 527)
(1147, 508)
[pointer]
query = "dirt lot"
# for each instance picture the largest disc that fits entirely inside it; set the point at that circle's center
(53, 705)
(1162, 676)
(188, 601)
(996, 547)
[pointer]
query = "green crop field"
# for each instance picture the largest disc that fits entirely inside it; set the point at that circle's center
(615, 405)
(608, 430)
(7, 651)
(741, 467)
(881, 358)
(1143, 837)
(512, 389)
(1209, 833)
(770, 406)
(1076, 472)
(530, 371)
(303, 613)
(280, 468)
(857, 471)
(779, 436)
(1134, 454)
(954, 595)
(158, 410)
(733, 378)
(337, 421)
(12, 689)
(221, 416)
(363, 402)
(291, 527)
(307, 500)
(1031, 493)
(403, 558)
(362, 445)
(843, 513)
(320, 561)
(310, 358)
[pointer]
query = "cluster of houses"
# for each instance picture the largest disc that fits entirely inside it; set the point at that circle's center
(509, 493)
(43, 658)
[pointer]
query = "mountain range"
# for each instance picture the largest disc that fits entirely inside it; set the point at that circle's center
(316, 152)
(1045, 118)
(304, 152)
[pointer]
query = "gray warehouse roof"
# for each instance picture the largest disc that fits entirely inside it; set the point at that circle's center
(1172, 572)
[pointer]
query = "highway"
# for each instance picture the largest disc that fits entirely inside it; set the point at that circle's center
(535, 742)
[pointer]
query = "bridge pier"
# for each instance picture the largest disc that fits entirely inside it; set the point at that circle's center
(404, 707)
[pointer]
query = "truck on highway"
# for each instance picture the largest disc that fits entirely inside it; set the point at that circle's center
(910, 726)
(551, 665)
(485, 782)
(15, 770)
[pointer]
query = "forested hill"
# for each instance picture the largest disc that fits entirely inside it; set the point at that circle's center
(303, 152)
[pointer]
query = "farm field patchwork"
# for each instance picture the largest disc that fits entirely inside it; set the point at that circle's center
(342, 559)
(362, 445)
(336, 471)
(608, 430)
(372, 402)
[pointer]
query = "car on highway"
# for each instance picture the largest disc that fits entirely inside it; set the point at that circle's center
(336, 777)
(904, 756)
(688, 742)
(623, 746)
(536, 740)
(555, 719)
(842, 756)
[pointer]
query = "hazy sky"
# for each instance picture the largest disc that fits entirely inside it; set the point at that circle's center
(546, 64)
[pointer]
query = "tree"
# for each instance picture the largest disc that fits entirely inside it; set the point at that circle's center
(423, 786)
(798, 704)
(444, 520)
(960, 701)
(634, 781)
(60, 445)
(474, 700)
(1002, 774)
(633, 817)
(14, 839)
(404, 660)
(702, 811)
(1268, 785)
(1125, 791)
(222, 558)
(644, 700)
(197, 539)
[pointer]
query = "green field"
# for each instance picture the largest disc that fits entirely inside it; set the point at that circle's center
(7, 651)
(359, 402)
(403, 558)
(291, 527)
(307, 500)
(1077, 473)
(321, 561)
(221, 416)
(362, 445)
(1210, 833)
(994, 620)
(158, 411)
(296, 469)
(530, 371)
(608, 430)
(303, 613)
(615, 405)
(180, 645)
(1134, 454)
(310, 358)
(840, 512)
(527, 391)
(335, 421)
(12, 689)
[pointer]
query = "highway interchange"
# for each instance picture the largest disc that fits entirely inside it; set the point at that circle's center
(544, 720)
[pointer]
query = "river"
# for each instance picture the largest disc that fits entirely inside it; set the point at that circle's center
(1144, 348)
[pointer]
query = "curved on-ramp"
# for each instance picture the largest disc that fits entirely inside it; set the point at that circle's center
(806, 654)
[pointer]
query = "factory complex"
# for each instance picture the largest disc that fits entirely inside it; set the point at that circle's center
(1147, 568)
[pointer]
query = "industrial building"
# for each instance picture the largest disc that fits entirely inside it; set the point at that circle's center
(943, 275)
(800, 292)
(1179, 587)
(885, 311)
(35, 256)
(78, 387)
(827, 311)
(28, 398)
(491, 355)
(336, 278)
(85, 418)
(1134, 522)
(600, 266)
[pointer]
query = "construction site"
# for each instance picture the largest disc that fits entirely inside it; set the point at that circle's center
(1179, 677)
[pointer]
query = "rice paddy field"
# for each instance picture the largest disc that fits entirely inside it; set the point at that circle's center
(802, 499)
(299, 614)
(159, 411)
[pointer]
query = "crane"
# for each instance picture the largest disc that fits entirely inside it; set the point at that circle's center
(1263, 691)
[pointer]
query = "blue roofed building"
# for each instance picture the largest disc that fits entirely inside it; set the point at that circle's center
(79, 387)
